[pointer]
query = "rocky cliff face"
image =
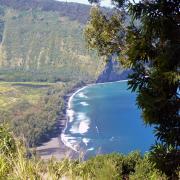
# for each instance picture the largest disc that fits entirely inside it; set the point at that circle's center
(113, 72)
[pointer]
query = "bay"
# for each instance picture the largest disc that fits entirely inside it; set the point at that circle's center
(104, 118)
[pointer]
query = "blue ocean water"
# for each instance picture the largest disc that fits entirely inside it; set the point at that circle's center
(104, 118)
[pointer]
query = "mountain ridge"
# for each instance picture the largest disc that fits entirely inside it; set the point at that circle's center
(38, 45)
(76, 11)
(42, 40)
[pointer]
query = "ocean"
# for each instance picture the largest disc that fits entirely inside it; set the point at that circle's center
(104, 118)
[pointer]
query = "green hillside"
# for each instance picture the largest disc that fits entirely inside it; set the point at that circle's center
(44, 45)
(41, 40)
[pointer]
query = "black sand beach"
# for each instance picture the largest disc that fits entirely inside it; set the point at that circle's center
(54, 147)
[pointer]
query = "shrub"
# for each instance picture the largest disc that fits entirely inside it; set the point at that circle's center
(145, 170)
(7, 141)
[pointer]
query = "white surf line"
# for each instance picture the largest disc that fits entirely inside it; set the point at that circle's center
(70, 99)
(70, 107)
(67, 144)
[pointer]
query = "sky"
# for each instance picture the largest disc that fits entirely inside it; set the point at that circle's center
(106, 3)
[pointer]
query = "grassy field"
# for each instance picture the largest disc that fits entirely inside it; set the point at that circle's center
(12, 93)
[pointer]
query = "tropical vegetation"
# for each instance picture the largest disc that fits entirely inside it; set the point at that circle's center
(31, 108)
(42, 57)
(37, 50)
(148, 41)
(39, 44)
(15, 164)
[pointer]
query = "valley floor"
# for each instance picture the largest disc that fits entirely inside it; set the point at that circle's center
(54, 147)
(34, 110)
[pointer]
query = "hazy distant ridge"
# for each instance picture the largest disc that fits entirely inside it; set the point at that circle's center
(74, 11)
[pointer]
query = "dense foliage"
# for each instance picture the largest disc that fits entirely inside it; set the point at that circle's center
(151, 47)
(32, 109)
(37, 44)
(41, 41)
(14, 164)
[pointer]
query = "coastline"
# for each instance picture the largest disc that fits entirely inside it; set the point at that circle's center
(56, 146)
(69, 108)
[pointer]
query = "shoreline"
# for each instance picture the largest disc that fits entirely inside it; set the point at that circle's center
(56, 147)
(67, 99)
(68, 107)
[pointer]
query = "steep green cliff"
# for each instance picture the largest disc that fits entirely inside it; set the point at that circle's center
(43, 41)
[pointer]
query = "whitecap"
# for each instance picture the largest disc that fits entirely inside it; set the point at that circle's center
(82, 95)
(84, 122)
(74, 128)
(90, 149)
(84, 103)
(82, 116)
(81, 126)
(70, 142)
(85, 141)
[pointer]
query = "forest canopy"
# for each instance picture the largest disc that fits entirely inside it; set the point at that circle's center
(148, 41)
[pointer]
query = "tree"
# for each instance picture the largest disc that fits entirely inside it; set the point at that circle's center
(151, 47)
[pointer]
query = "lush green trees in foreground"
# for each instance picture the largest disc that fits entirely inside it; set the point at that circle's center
(148, 41)
(14, 164)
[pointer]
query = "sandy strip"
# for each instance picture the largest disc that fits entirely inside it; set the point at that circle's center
(56, 147)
